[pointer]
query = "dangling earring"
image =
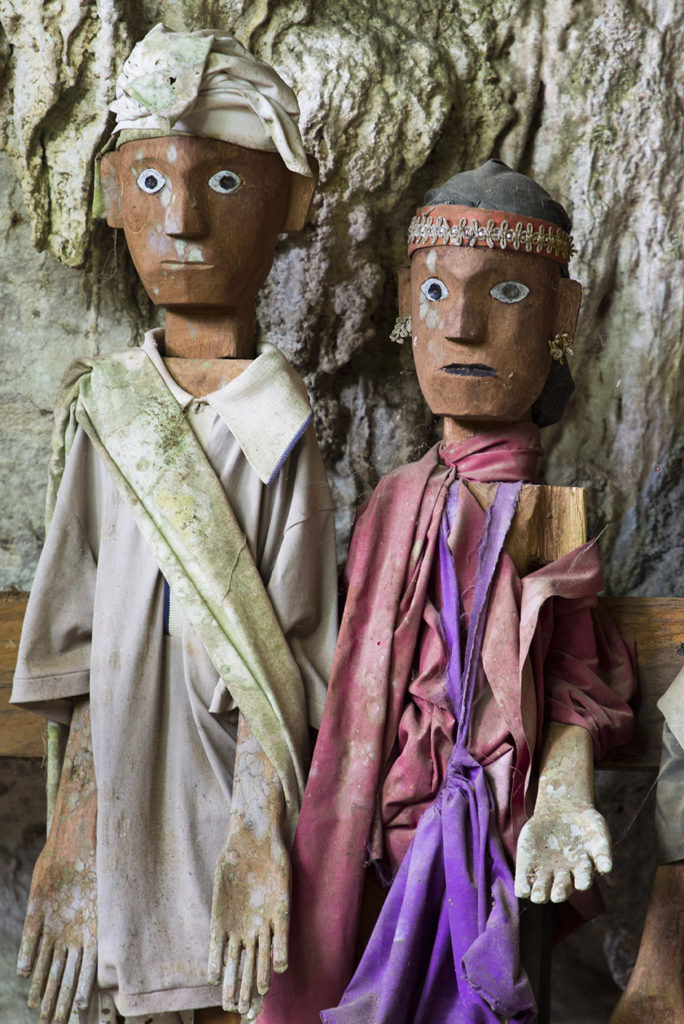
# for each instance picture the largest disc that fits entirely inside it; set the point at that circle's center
(560, 346)
(401, 330)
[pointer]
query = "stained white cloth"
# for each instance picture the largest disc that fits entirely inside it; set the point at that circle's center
(671, 704)
(163, 723)
(206, 83)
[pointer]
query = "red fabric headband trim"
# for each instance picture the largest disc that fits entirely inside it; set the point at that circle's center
(494, 229)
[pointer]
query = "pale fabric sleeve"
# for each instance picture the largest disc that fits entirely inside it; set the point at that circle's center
(669, 816)
(671, 704)
(297, 563)
(53, 663)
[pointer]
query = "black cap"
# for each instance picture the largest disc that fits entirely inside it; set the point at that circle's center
(494, 186)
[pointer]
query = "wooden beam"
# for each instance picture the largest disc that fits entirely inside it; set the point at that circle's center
(21, 733)
(656, 624)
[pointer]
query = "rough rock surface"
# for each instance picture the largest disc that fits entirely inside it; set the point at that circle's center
(22, 830)
(395, 97)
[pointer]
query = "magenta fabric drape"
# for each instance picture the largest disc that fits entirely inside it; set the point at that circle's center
(446, 945)
(390, 575)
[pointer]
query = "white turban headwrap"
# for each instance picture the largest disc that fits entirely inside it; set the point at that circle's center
(206, 83)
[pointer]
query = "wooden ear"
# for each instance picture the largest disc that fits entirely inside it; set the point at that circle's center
(404, 291)
(111, 191)
(301, 194)
(569, 301)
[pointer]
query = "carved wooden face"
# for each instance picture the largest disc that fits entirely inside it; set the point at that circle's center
(482, 319)
(201, 217)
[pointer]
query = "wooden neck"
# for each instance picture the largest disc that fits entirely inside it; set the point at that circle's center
(455, 429)
(200, 377)
(208, 347)
(209, 332)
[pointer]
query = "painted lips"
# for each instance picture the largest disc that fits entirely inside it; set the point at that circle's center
(469, 370)
(178, 264)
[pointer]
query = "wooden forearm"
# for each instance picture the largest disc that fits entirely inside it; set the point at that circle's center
(566, 767)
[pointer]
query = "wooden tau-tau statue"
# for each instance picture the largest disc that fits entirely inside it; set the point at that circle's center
(183, 615)
(471, 690)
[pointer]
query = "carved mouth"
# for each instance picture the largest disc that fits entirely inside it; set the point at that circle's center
(182, 264)
(469, 370)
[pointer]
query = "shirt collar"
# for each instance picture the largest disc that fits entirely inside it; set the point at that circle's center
(266, 408)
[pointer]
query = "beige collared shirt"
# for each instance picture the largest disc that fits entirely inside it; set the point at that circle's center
(162, 720)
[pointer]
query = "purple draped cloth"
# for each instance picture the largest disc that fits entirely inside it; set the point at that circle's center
(445, 947)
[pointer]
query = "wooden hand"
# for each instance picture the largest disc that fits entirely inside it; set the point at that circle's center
(61, 918)
(559, 851)
(566, 841)
(251, 900)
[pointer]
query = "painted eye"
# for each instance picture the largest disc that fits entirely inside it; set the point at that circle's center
(151, 181)
(225, 182)
(434, 290)
(509, 291)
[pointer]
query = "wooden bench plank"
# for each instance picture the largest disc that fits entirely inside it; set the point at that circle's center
(655, 623)
(657, 626)
(21, 733)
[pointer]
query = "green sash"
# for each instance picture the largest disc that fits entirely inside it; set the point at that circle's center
(182, 511)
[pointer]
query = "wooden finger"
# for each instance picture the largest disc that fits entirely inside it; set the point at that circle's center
(230, 973)
(33, 926)
(217, 946)
(69, 980)
(562, 886)
(541, 890)
(524, 867)
(604, 864)
(599, 849)
(52, 989)
(583, 872)
(264, 961)
(40, 972)
(247, 983)
(280, 944)
(87, 974)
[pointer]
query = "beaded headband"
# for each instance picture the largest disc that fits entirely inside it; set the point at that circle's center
(449, 224)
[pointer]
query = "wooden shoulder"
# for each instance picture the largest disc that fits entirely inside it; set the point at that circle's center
(549, 522)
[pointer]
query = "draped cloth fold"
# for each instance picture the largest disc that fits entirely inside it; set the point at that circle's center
(390, 572)
(445, 947)
(505, 456)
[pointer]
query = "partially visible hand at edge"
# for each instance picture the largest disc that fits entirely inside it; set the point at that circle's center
(59, 941)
